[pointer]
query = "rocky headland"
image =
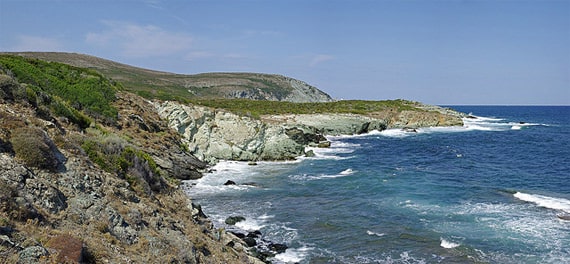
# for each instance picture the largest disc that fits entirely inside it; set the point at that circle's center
(91, 172)
(216, 134)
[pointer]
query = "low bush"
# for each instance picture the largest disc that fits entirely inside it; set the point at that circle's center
(115, 155)
(33, 147)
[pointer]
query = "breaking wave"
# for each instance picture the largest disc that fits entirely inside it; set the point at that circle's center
(448, 244)
(545, 201)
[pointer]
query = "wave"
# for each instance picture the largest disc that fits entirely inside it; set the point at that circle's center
(448, 244)
(545, 201)
(251, 225)
(347, 172)
(307, 177)
(293, 255)
(370, 233)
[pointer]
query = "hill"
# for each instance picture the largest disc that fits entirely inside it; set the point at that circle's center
(181, 87)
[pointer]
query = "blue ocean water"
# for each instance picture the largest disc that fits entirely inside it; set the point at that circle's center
(488, 192)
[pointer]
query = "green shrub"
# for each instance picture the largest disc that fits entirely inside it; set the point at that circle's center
(114, 155)
(85, 89)
(33, 147)
(31, 96)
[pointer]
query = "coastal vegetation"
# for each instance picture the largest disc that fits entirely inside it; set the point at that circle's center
(68, 91)
(256, 108)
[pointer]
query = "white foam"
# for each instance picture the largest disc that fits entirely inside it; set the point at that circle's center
(250, 225)
(395, 133)
(475, 123)
(483, 118)
(373, 132)
(331, 152)
(336, 147)
(545, 201)
(293, 255)
(370, 233)
(305, 177)
(448, 244)
(265, 217)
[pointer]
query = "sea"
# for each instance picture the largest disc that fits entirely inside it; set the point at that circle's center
(493, 191)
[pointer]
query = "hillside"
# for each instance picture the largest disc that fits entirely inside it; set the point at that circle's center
(95, 180)
(169, 86)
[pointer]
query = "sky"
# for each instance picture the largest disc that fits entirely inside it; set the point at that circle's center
(437, 52)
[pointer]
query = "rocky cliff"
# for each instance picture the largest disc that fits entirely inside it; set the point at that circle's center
(217, 134)
(103, 194)
(214, 134)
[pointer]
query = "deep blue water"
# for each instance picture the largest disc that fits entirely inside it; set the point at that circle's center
(487, 192)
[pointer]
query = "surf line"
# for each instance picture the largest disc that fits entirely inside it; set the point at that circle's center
(560, 204)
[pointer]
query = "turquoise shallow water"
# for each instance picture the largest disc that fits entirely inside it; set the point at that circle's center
(487, 192)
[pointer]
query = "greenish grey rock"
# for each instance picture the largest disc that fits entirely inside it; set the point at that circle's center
(232, 220)
(32, 255)
(214, 134)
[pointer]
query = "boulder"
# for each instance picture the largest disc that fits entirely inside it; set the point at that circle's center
(69, 249)
(249, 241)
(324, 144)
(230, 182)
(232, 220)
(32, 255)
(254, 234)
(279, 248)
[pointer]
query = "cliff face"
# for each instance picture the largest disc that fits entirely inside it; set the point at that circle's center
(217, 134)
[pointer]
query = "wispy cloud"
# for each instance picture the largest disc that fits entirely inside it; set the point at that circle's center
(157, 4)
(37, 43)
(135, 40)
(196, 55)
(320, 58)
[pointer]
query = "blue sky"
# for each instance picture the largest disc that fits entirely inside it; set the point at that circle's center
(437, 52)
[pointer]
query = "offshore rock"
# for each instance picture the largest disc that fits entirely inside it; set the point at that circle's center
(232, 220)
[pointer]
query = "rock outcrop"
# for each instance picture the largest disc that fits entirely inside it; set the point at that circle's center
(214, 134)
(220, 135)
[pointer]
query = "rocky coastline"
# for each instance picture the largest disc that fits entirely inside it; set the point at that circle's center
(216, 134)
(81, 186)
